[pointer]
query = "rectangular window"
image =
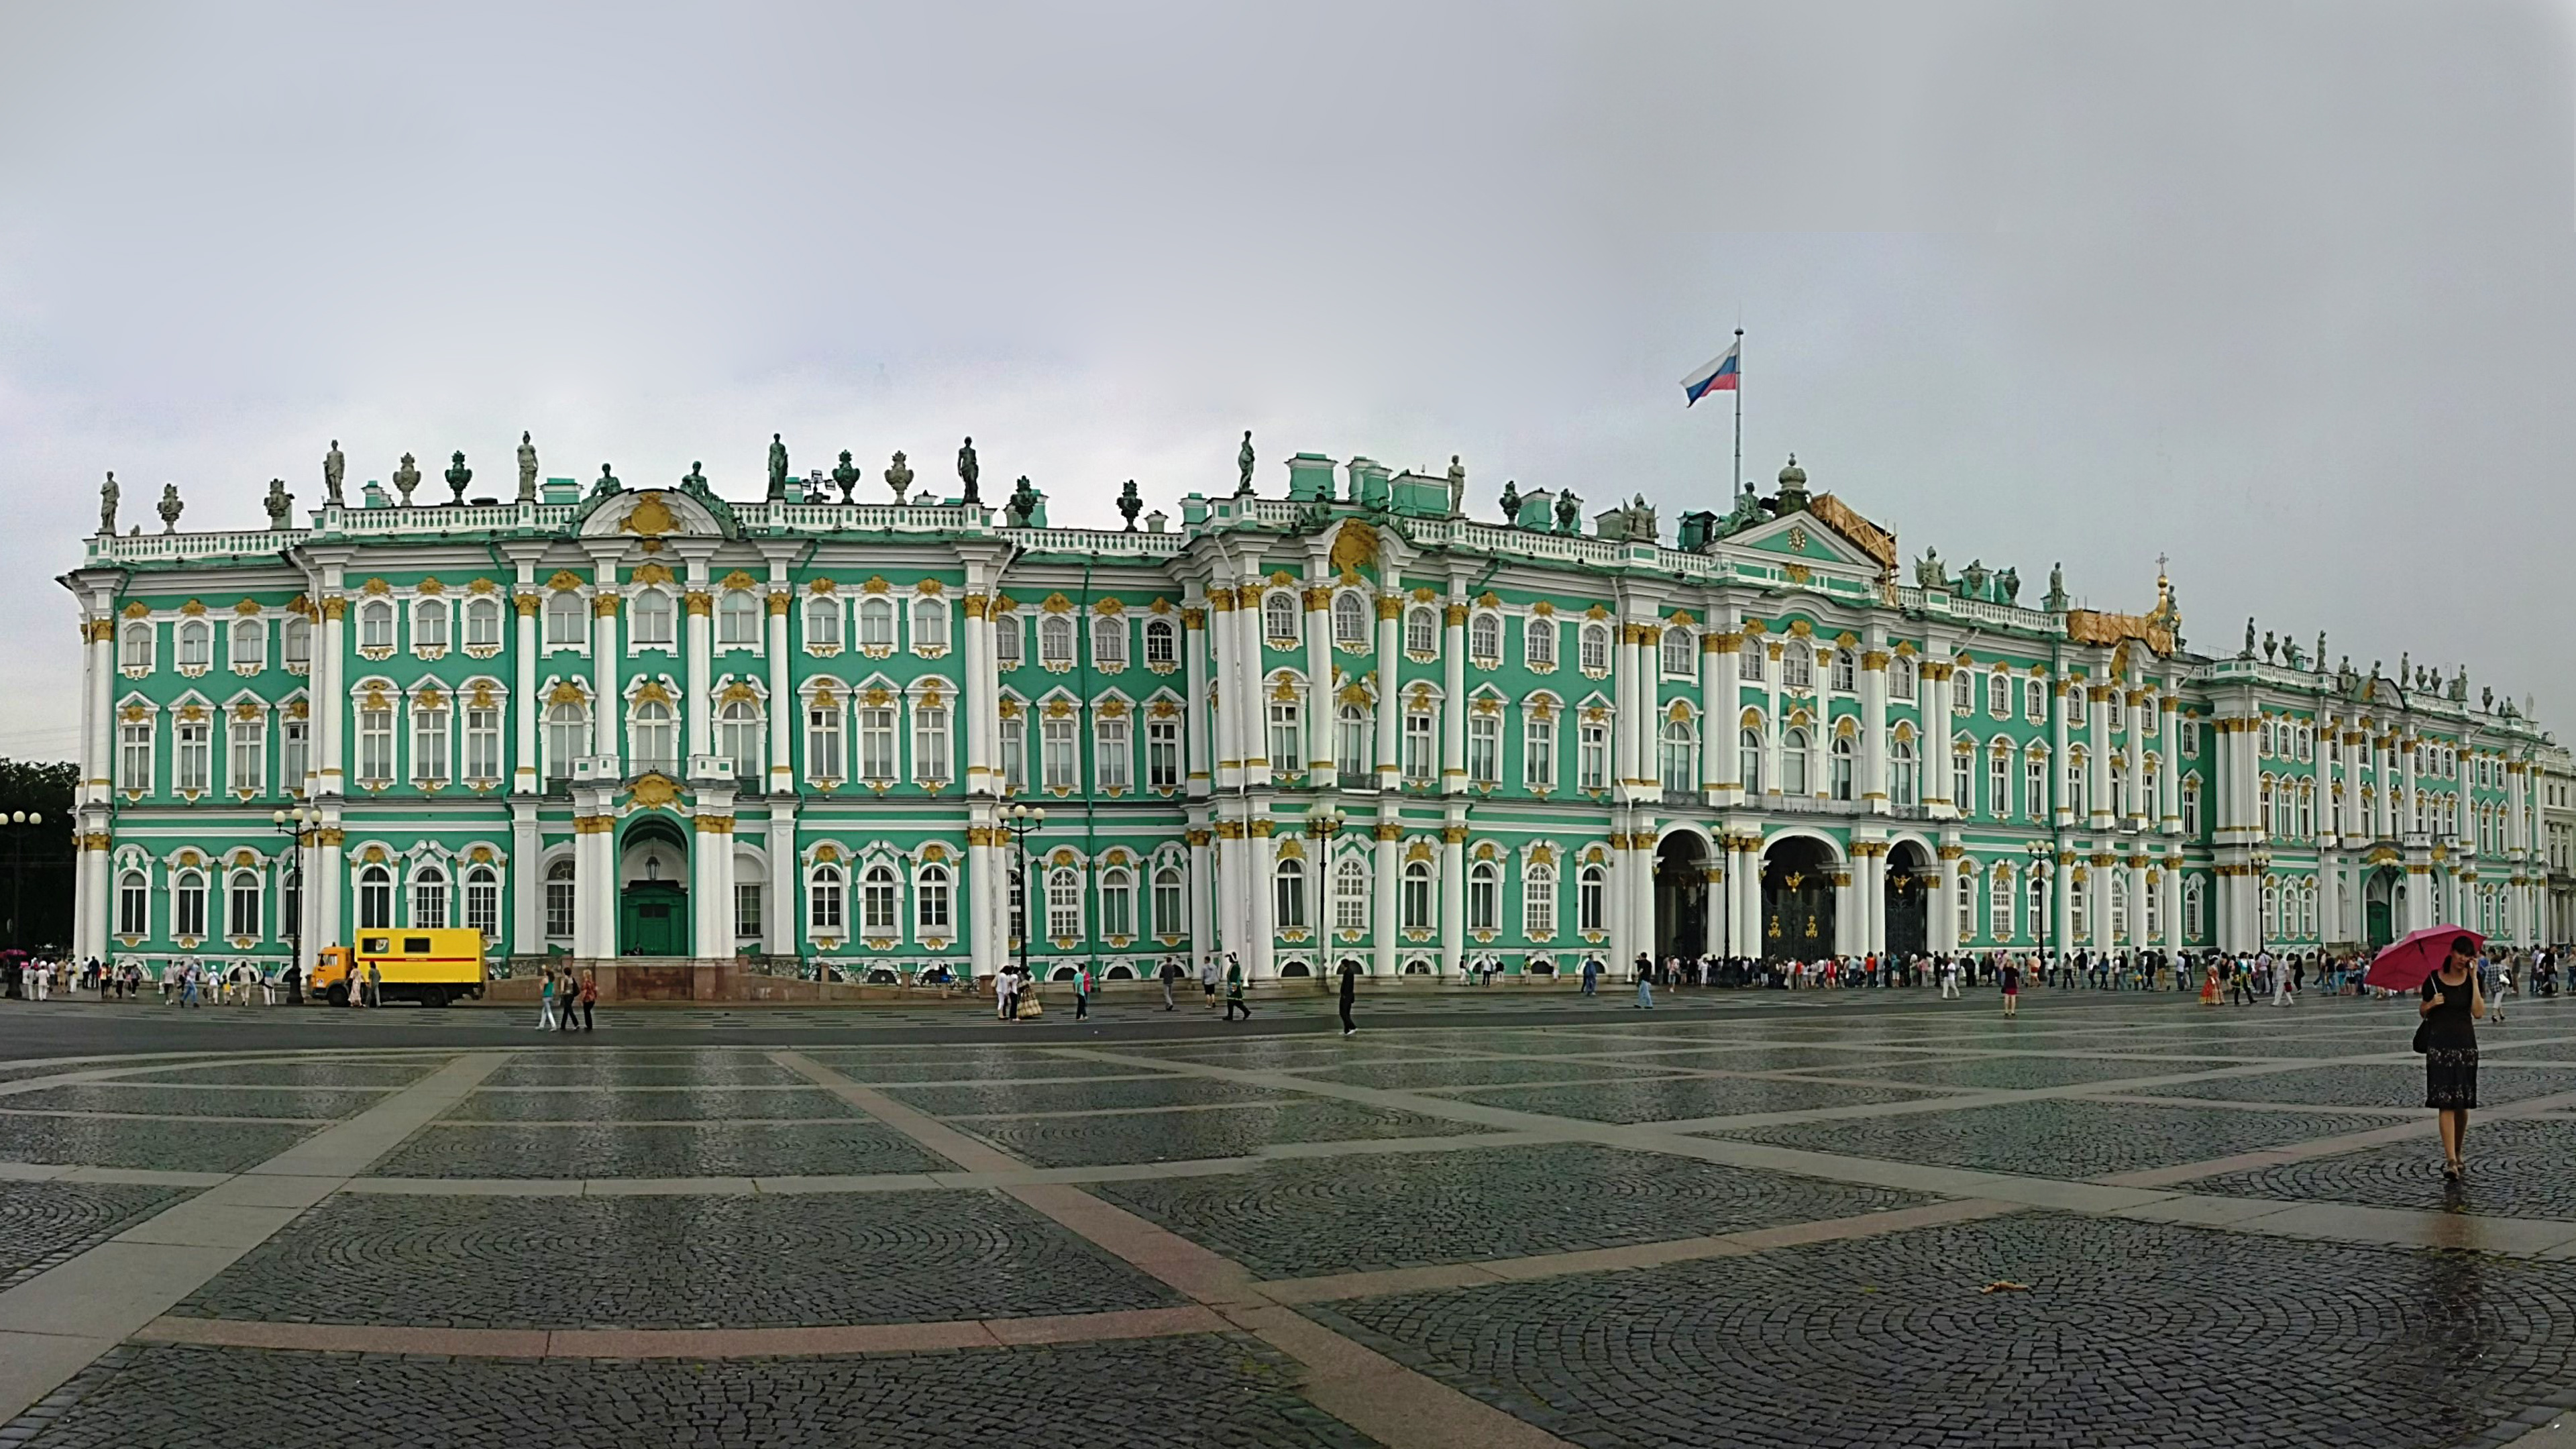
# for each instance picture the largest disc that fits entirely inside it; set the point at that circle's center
(876, 745)
(1538, 905)
(2034, 786)
(1538, 643)
(1170, 918)
(242, 907)
(1064, 904)
(1748, 660)
(559, 904)
(483, 744)
(746, 910)
(188, 907)
(1006, 641)
(429, 745)
(250, 645)
(1287, 745)
(1351, 742)
(195, 762)
(823, 743)
(930, 902)
(1111, 738)
(1485, 749)
(1061, 768)
(291, 755)
(1999, 695)
(249, 756)
(1999, 786)
(1592, 757)
(1538, 752)
(1421, 754)
(930, 744)
(376, 746)
(1015, 753)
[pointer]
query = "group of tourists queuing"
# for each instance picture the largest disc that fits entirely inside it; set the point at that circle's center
(184, 983)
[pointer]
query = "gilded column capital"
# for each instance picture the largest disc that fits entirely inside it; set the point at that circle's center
(780, 601)
(978, 605)
(1453, 834)
(1454, 616)
(1193, 620)
(699, 603)
(1389, 830)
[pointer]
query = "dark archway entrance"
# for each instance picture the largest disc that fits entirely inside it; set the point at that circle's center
(653, 902)
(1797, 900)
(2380, 898)
(1910, 878)
(1681, 896)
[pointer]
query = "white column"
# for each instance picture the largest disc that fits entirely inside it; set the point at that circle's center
(1648, 722)
(2169, 748)
(1771, 723)
(1628, 699)
(983, 689)
(2136, 938)
(608, 734)
(527, 882)
(2062, 810)
(1453, 897)
(1717, 714)
(2061, 903)
(1873, 756)
(1389, 865)
(2171, 885)
(786, 889)
(1453, 708)
(984, 918)
(698, 715)
(1944, 908)
(1202, 921)
(331, 701)
(1320, 704)
(1390, 701)
(327, 885)
(2133, 705)
(1226, 703)
(1748, 897)
(1932, 682)
(1260, 856)
(782, 721)
(1640, 883)
(1196, 721)
(526, 709)
(2097, 764)
(594, 875)
(711, 874)
(1319, 890)
(2406, 750)
(1851, 930)
(2097, 906)
(1874, 896)
(1249, 663)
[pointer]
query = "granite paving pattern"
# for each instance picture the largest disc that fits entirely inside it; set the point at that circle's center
(713, 1069)
(1180, 1136)
(1205, 1392)
(2518, 1168)
(1667, 1099)
(1080, 1096)
(2023, 1073)
(170, 1146)
(647, 1104)
(285, 1073)
(180, 1101)
(671, 1262)
(2372, 1084)
(1299, 1217)
(43, 1222)
(2056, 1137)
(2130, 1334)
(714, 1149)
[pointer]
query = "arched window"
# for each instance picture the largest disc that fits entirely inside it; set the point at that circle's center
(133, 904)
(1999, 907)
(1793, 762)
(483, 623)
(656, 738)
(1109, 642)
(823, 622)
(1967, 907)
(1591, 892)
(2034, 701)
(653, 617)
(559, 898)
(930, 626)
(376, 625)
(567, 622)
(1538, 750)
(429, 626)
(1900, 677)
(2191, 909)
(823, 902)
(188, 904)
(241, 913)
(1842, 777)
(1680, 757)
(1288, 896)
(196, 644)
(2155, 911)
(483, 901)
(1538, 642)
(932, 899)
(1351, 740)
(1846, 672)
(429, 898)
(2037, 888)
(1748, 759)
(1797, 666)
(134, 646)
(1595, 646)
(567, 738)
(1350, 895)
(299, 644)
(740, 738)
(876, 622)
(738, 619)
(2120, 905)
(1064, 902)
(1538, 902)
(1678, 647)
(1905, 774)
(1999, 695)
(249, 645)
(1055, 641)
(1417, 901)
(1485, 748)
(1279, 619)
(877, 894)
(2271, 910)
(2034, 783)
(1963, 691)
(1485, 639)
(823, 739)
(1171, 917)
(1421, 630)
(1484, 896)
(375, 899)
(1118, 902)
(1162, 644)
(1350, 619)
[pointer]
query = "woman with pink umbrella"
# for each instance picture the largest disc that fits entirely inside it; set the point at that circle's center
(2441, 963)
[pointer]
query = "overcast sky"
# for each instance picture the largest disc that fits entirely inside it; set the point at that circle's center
(2283, 290)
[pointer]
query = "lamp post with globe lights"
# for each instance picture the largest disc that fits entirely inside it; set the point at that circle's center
(1022, 820)
(298, 825)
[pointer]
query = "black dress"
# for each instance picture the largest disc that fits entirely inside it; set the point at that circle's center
(2450, 1046)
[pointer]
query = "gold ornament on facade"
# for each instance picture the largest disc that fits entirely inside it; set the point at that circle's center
(566, 692)
(376, 587)
(699, 603)
(604, 604)
(650, 518)
(652, 573)
(1453, 616)
(528, 605)
(713, 824)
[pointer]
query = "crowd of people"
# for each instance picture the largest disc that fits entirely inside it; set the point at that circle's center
(183, 983)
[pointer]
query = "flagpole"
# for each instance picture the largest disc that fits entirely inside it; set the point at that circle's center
(1738, 486)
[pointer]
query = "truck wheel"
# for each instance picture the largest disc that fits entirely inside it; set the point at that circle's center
(337, 995)
(436, 996)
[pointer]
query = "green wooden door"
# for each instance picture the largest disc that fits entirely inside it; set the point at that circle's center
(653, 920)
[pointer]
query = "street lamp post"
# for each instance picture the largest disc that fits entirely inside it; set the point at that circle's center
(1021, 820)
(2261, 861)
(19, 821)
(1323, 823)
(298, 826)
(2042, 855)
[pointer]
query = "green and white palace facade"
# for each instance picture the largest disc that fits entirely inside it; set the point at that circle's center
(1339, 721)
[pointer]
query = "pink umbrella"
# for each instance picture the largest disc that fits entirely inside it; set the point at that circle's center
(2403, 964)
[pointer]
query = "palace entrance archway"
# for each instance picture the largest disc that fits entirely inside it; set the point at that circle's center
(653, 892)
(1908, 896)
(1797, 900)
(2383, 898)
(1681, 896)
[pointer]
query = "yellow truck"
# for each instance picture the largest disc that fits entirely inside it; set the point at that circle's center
(431, 967)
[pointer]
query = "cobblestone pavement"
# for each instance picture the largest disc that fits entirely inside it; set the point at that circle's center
(1490, 1219)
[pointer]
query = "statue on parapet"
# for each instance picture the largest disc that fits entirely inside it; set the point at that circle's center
(1972, 580)
(2008, 584)
(406, 478)
(280, 504)
(1930, 572)
(108, 493)
(847, 478)
(171, 507)
(1024, 503)
(334, 467)
(1511, 502)
(2291, 656)
(1243, 467)
(607, 483)
(2056, 601)
(968, 470)
(1457, 485)
(695, 480)
(2248, 651)
(528, 467)
(1569, 512)
(2460, 686)
(898, 476)
(777, 468)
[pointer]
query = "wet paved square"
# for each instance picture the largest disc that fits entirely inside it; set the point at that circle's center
(1183, 1235)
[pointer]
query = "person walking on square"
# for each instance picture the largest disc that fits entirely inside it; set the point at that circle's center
(1002, 993)
(1171, 972)
(2282, 992)
(1350, 992)
(2011, 978)
(375, 984)
(1949, 981)
(1082, 991)
(546, 1002)
(2452, 1003)
(589, 995)
(565, 995)
(1591, 975)
(1645, 986)
(1234, 988)
(1207, 979)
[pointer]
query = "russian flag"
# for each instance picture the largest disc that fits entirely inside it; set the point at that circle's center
(1718, 376)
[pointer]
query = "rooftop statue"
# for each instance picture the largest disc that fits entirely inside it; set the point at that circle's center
(1569, 512)
(1457, 485)
(607, 483)
(171, 507)
(898, 476)
(1024, 503)
(528, 467)
(1930, 572)
(406, 478)
(2009, 582)
(2248, 651)
(1511, 502)
(848, 478)
(2056, 601)
(1243, 467)
(280, 503)
(458, 475)
(334, 467)
(1129, 504)
(1972, 580)
(2321, 651)
(108, 493)
(694, 481)
(2271, 646)
(777, 468)
(967, 471)
(2460, 685)
(2291, 656)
